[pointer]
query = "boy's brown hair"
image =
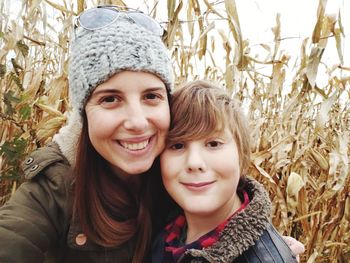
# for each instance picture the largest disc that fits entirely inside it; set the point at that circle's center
(200, 109)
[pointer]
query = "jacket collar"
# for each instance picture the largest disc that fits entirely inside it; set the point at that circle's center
(242, 231)
(68, 136)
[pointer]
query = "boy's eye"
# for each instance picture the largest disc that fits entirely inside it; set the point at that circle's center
(213, 144)
(177, 146)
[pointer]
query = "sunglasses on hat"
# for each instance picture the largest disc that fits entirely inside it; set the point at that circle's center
(103, 16)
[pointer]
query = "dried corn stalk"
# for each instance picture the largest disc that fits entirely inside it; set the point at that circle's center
(300, 130)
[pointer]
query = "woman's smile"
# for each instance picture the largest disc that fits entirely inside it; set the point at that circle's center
(134, 144)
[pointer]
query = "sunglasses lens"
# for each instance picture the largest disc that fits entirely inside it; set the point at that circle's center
(97, 18)
(147, 22)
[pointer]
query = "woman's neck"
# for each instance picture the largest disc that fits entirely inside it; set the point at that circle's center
(133, 181)
(200, 224)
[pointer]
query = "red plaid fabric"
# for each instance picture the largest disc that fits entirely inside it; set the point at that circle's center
(174, 232)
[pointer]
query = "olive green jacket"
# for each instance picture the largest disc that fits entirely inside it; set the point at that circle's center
(35, 224)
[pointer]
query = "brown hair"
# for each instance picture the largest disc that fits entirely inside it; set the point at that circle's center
(105, 206)
(200, 109)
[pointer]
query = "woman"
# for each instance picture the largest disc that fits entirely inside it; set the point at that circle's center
(87, 197)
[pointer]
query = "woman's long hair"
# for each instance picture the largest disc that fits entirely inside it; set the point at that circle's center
(109, 212)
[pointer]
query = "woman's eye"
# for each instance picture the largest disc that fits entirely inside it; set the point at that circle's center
(153, 96)
(177, 146)
(109, 101)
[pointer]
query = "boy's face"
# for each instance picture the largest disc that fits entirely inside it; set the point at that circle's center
(202, 175)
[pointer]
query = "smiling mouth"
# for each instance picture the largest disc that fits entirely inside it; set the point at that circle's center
(132, 146)
(198, 184)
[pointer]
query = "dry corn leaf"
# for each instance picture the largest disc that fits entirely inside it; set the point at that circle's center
(347, 210)
(338, 41)
(59, 7)
(34, 6)
(118, 2)
(294, 184)
(173, 25)
(58, 90)
(49, 110)
(48, 127)
(313, 63)
(320, 17)
(278, 76)
(323, 114)
(3, 132)
(231, 10)
(203, 40)
(171, 8)
(283, 208)
(341, 23)
(260, 157)
(319, 159)
(235, 29)
(35, 81)
(277, 35)
(265, 174)
(212, 9)
(80, 5)
(339, 158)
(190, 24)
(307, 216)
(229, 77)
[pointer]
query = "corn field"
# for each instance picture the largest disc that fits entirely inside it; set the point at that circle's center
(300, 129)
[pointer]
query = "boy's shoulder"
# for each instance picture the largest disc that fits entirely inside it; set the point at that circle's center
(270, 247)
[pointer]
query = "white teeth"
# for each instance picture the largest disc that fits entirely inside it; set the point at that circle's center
(134, 146)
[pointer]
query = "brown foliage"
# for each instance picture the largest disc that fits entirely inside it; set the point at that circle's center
(300, 130)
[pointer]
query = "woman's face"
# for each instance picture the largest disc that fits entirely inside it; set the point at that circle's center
(128, 119)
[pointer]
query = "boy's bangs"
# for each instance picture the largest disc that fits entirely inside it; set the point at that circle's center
(201, 120)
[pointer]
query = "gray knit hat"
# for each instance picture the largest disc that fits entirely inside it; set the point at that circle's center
(96, 55)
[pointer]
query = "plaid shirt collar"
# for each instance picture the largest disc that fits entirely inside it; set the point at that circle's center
(175, 235)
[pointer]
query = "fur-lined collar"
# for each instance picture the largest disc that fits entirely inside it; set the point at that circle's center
(68, 136)
(242, 230)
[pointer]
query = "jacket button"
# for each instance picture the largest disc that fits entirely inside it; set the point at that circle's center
(80, 239)
(34, 167)
(29, 160)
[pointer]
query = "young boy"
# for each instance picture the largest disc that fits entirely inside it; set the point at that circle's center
(226, 216)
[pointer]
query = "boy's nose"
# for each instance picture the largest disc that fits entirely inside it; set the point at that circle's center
(195, 161)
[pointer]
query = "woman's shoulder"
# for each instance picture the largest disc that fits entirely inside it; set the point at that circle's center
(46, 161)
(47, 174)
(34, 218)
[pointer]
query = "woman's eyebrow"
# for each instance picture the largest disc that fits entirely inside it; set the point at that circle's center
(155, 89)
(105, 91)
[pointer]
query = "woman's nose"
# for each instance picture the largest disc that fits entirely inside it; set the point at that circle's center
(136, 119)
